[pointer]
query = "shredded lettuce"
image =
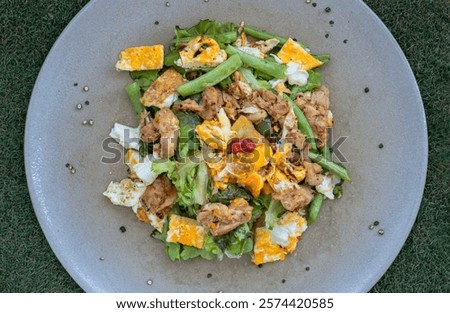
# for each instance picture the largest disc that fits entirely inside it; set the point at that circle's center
(273, 213)
(260, 205)
(144, 78)
(237, 242)
(222, 33)
(188, 141)
(190, 178)
(230, 193)
(314, 81)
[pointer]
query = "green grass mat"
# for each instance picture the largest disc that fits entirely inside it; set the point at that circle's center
(28, 31)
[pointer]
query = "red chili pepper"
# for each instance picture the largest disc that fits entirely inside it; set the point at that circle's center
(245, 145)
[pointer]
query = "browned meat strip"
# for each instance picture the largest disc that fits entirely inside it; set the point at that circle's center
(221, 219)
(275, 105)
(188, 105)
(212, 102)
(315, 106)
(313, 170)
(296, 198)
(159, 197)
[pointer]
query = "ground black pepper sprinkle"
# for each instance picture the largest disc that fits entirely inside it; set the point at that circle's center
(86, 102)
(345, 40)
(209, 275)
(156, 22)
(307, 268)
(366, 90)
(295, 39)
(123, 229)
(76, 84)
(331, 22)
(328, 9)
(283, 280)
(67, 165)
(314, 4)
(260, 265)
(380, 146)
(327, 35)
(376, 223)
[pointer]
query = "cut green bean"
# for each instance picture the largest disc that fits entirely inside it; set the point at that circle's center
(334, 168)
(314, 208)
(273, 69)
(251, 79)
(302, 123)
(326, 152)
(259, 34)
(211, 78)
(134, 93)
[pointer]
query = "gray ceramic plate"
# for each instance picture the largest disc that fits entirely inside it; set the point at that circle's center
(342, 253)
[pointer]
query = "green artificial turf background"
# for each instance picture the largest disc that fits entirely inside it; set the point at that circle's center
(28, 31)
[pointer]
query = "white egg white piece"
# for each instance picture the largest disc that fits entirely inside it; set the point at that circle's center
(141, 166)
(127, 137)
(327, 186)
(291, 224)
(126, 193)
(296, 75)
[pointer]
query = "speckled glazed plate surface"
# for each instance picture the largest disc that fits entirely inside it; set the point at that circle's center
(342, 254)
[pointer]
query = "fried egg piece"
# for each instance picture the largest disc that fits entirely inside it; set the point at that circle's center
(126, 136)
(162, 93)
(125, 193)
(141, 166)
(293, 52)
(202, 51)
(141, 58)
(216, 133)
(149, 218)
(290, 225)
(265, 250)
(186, 231)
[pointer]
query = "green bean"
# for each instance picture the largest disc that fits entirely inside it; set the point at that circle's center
(334, 168)
(250, 78)
(326, 152)
(211, 78)
(259, 34)
(134, 93)
(302, 123)
(273, 69)
(314, 208)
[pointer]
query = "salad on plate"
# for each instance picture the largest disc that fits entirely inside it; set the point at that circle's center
(229, 155)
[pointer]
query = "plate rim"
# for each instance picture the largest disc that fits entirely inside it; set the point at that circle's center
(87, 287)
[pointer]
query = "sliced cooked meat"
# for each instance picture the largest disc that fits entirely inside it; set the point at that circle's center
(231, 106)
(315, 107)
(149, 133)
(265, 45)
(162, 91)
(252, 112)
(188, 105)
(212, 102)
(159, 197)
(168, 126)
(291, 133)
(221, 219)
(239, 89)
(313, 170)
(296, 198)
(276, 106)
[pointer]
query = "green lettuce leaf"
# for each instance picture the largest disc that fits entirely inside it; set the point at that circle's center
(237, 242)
(260, 205)
(314, 81)
(273, 213)
(222, 33)
(230, 193)
(190, 178)
(188, 141)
